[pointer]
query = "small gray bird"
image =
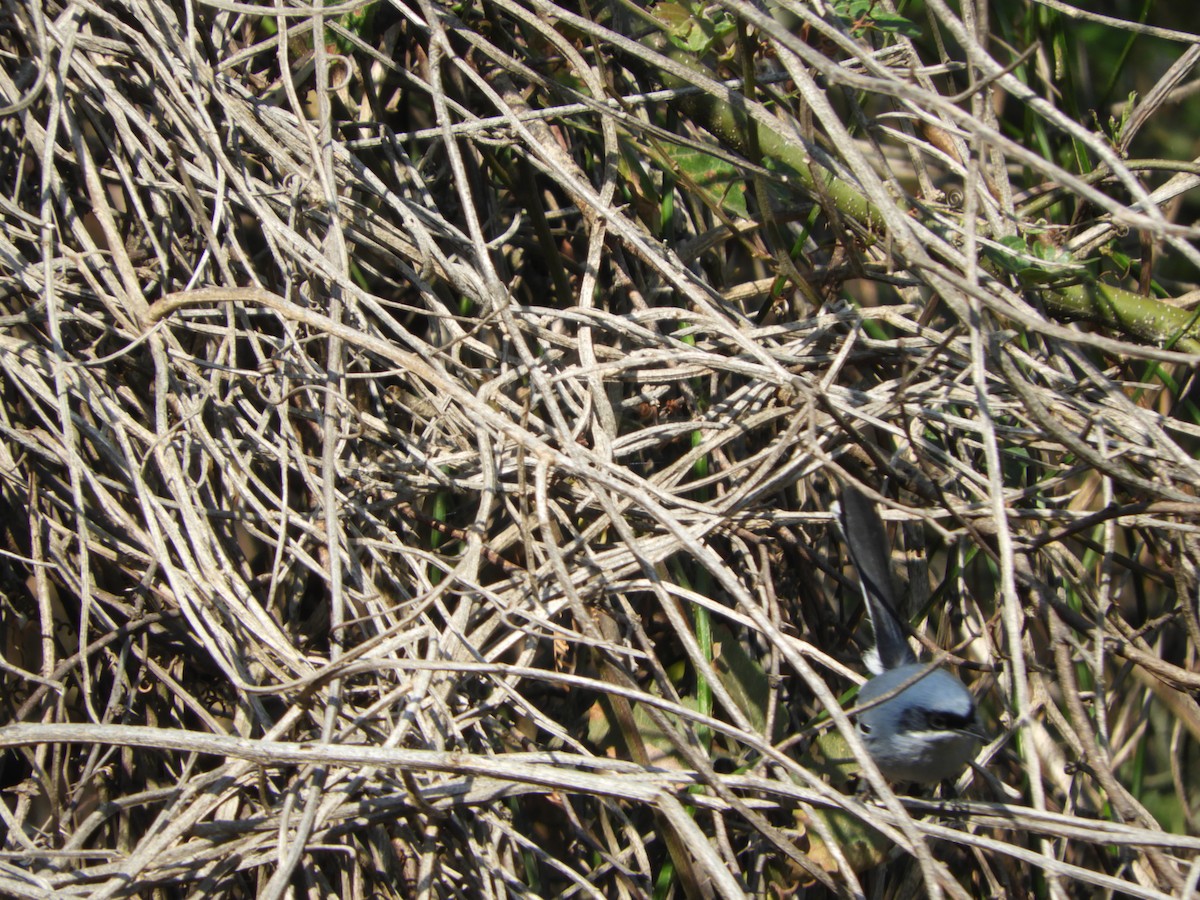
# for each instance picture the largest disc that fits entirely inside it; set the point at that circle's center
(927, 730)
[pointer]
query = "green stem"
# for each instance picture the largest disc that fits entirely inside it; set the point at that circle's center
(732, 125)
(1144, 318)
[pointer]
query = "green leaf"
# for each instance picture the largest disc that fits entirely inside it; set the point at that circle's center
(693, 28)
(721, 182)
(893, 23)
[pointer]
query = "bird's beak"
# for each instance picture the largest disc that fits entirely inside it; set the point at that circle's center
(978, 732)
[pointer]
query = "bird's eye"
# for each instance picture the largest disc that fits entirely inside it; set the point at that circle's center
(938, 721)
(864, 727)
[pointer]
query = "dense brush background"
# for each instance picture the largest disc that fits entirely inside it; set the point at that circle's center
(419, 423)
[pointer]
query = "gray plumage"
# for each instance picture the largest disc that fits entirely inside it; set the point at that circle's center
(867, 542)
(928, 730)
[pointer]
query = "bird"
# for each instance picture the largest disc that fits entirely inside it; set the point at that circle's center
(918, 722)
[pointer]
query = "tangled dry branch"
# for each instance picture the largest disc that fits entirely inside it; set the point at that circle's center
(416, 445)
